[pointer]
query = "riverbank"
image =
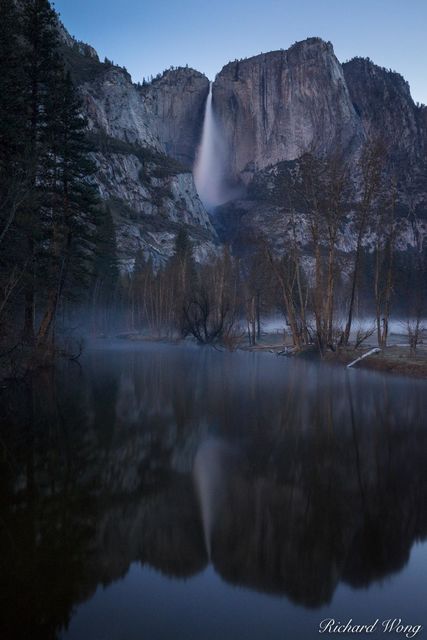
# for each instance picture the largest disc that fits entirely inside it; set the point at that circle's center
(395, 359)
(21, 360)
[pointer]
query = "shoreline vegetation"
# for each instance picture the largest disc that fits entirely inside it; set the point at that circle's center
(395, 359)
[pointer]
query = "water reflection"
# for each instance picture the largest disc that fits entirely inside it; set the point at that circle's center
(285, 477)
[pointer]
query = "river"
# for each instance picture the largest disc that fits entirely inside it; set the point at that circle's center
(177, 492)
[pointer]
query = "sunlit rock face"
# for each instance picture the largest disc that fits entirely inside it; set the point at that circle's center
(278, 105)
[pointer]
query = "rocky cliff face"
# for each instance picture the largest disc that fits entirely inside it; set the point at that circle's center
(385, 108)
(272, 108)
(275, 106)
(114, 107)
(176, 102)
(137, 135)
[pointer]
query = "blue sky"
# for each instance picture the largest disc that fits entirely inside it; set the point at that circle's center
(147, 36)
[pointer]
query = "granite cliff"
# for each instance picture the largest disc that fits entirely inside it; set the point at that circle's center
(143, 141)
(274, 107)
(176, 103)
(271, 108)
(384, 106)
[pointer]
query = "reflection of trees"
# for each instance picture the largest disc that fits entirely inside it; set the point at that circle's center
(329, 482)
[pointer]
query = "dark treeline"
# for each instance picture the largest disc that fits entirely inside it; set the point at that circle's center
(49, 214)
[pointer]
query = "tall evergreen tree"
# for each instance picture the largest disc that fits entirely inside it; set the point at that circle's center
(106, 272)
(45, 193)
(11, 115)
(13, 187)
(106, 266)
(41, 62)
(69, 211)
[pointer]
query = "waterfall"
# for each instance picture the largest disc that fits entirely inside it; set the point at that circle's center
(211, 161)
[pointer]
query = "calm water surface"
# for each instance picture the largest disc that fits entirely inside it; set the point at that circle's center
(160, 492)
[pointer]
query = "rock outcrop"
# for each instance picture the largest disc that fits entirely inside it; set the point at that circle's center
(176, 102)
(275, 106)
(384, 105)
(143, 142)
(114, 107)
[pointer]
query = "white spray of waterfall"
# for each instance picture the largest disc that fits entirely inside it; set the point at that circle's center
(211, 161)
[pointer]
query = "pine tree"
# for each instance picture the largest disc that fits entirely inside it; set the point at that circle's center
(106, 265)
(46, 198)
(106, 272)
(13, 187)
(40, 69)
(11, 115)
(70, 215)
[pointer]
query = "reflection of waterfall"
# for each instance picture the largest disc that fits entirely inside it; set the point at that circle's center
(211, 161)
(208, 473)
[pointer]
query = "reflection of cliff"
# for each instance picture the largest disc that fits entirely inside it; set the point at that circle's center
(304, 487)
(301, 539)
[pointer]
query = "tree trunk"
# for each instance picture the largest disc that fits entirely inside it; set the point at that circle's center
(29, 305)
(346, 336)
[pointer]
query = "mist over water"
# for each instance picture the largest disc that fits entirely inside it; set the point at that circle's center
(211, 164)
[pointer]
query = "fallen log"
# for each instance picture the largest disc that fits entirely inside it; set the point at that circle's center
(365, 355)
